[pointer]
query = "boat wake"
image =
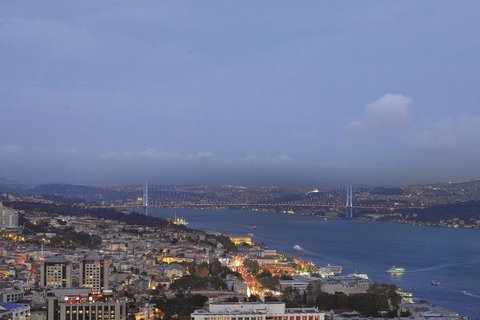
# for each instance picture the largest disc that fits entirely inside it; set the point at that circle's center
(443, 266)
(471, 294)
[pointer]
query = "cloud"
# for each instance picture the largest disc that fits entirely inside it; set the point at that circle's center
(387, 113)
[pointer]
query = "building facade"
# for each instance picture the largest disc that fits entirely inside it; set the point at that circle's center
(56, 272)
(345, 285)
(94, 273)
(8, 218)
(15, 311)
(256, 311)
(11, 295)
(82, 304)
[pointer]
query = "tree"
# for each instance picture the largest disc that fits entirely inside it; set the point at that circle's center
(252, 266)
(253, 298)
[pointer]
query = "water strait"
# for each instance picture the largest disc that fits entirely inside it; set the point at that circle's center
(449, 256)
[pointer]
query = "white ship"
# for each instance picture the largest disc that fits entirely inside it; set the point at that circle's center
(358, 275)
(298, 248)
(396, 270)
(330, 270)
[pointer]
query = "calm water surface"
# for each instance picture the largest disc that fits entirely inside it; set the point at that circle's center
(451, 256)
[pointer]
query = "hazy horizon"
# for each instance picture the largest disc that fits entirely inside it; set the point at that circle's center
(252, 93)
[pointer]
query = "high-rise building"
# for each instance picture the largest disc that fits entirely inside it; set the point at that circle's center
(56, 272)
(81, 304)
(94, 273)
(8, 218)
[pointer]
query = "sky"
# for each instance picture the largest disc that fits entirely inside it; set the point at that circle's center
(270, 92)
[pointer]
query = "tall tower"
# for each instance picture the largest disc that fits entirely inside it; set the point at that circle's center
(145, 198)
(349, 204)
(8, 218)
(56, 272)
(94, 273)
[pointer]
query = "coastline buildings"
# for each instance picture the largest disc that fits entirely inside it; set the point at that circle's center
(346, 285)
(256, 311)
(56, 272)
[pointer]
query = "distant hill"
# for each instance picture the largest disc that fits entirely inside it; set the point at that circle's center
(66, 191)
(11, 186)
(8, 183)
(462, 210)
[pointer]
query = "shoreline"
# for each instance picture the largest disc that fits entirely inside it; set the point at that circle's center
(415, 300)
(326, 218)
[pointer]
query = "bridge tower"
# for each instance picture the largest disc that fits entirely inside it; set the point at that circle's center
(349, 204)
(145, 198)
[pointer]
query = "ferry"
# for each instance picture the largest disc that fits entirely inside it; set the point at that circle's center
(396, 270)
(298, 248)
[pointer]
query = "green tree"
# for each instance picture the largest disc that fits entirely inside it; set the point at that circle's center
(252, 266)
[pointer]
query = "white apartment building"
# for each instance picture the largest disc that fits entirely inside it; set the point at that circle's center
(8, 218)
(345, 285)
(256, 311)
(11, 295)
(81, 304)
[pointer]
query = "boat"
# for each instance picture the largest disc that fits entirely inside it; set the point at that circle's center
(179, 221)
(254, 227)
(396, 270)
(290, 211)
(335, 270)
(298, 248)
(358, 275)
(435, 283)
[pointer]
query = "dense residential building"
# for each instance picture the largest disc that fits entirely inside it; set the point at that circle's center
(94, 273)
(299, 283)
(56, 272)
(81, 304)
(11, 295)
(346, 285)
(15, 311)
(256, 311)
(8, 218)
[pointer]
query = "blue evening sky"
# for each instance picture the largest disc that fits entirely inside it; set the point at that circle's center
(240, 92)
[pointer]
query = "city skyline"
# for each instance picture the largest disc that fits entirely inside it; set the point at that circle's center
(237, 93)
